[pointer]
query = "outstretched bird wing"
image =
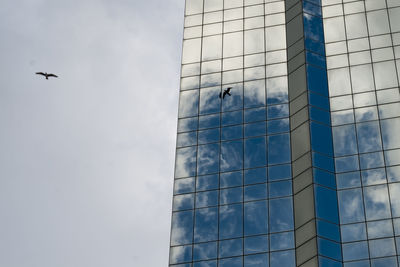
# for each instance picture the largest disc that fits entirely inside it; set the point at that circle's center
(52, 75)
(228, 89)
(41, 73)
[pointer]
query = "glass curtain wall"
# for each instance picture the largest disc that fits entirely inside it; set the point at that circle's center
(233, 203)
(363, 60)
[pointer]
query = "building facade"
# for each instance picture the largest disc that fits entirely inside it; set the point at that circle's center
(298, 162)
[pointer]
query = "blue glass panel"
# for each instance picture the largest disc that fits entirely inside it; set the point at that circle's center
(313, 28)
(322, 145)
(255, 114)
(354, 212)
(255, 152)
(183, 202)
(180, 254)
(208, 136)
(324, 178)
(206, 199)
(205, 251)
(188, 124)
(389, 127)
(319, 101)
(316, 2)
(186, 139)
(379, 229)
(282, 258)
(230, 248)
(369, 137)
(353, 232)
(384, 262)
(207, 159)
(330, 249)
(256, 260)
(312, 9)
(231, 155)
(314, 46)
(231, 195)
(188, 103)
(393, 174)
(277, 111)
(207, 182)
(206, 225)
(255, 129)
(344, 140)
(282, 241)
(256, 244)
(326, 204)
(348, 180)
(182, 265)
(231, 221)
(277, 126)
(316, 60)
(254, 176)
(256, 218)
(278, 149)
(212, 263)
(364, 263)
(235, 100)
(232, 118)
(281, 214)
(279, 172)
(209, 121)
(323, 162)
(374, 176)
(329, 262)
(328, 230)
(376, 201)
(255, 192)
(277, 90)
(182, 186)
(317, 80)
(254, 94)
(182, 228)
(346, 164)
(209, 100)
(280, 189)
(229, 179)
(185, 162)
(231, 262)
(232, 132)
(320, 115)
(355, 251)
(382, 248)
(371, 160)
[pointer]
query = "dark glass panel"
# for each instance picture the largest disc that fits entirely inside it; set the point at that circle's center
(329, 249)
(229, 179)
(282, 258)
(232, 118)
(254, 176)
(230, 248)
(232, 132)
(206, 225)
(279, 172)
(256, 260)
(277, 111)
(209, 121)
(324, 178)
(205, 251)
(255, 129)
(282, 241)
(231, 195)
(182, 228)
(326, 204)
(208, 136)
(281, 214)
(231, 155)
(255, 152)
(255, 192)
(277, 126)
(182, 186)
(231, 221)
(280, 189)
(207, 182)
(322, 145)
(206, 199)
(256, 244)
(279, 149)
(255, 114)
(328, 230)
(256, 218)
(207, 159)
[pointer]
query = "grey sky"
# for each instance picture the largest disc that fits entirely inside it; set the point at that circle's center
(86, 160)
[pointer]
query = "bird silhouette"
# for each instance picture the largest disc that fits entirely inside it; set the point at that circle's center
(47, 75)
(226, 92)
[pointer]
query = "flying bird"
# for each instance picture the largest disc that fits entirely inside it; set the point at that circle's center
(226, 92)
(47, 75)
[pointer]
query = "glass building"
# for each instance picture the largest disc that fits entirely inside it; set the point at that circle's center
(298, 164)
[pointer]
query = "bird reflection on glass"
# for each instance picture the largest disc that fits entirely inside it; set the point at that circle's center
(47, 75)
(226, 92)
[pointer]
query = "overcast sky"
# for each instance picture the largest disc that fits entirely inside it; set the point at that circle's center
(86, 160)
